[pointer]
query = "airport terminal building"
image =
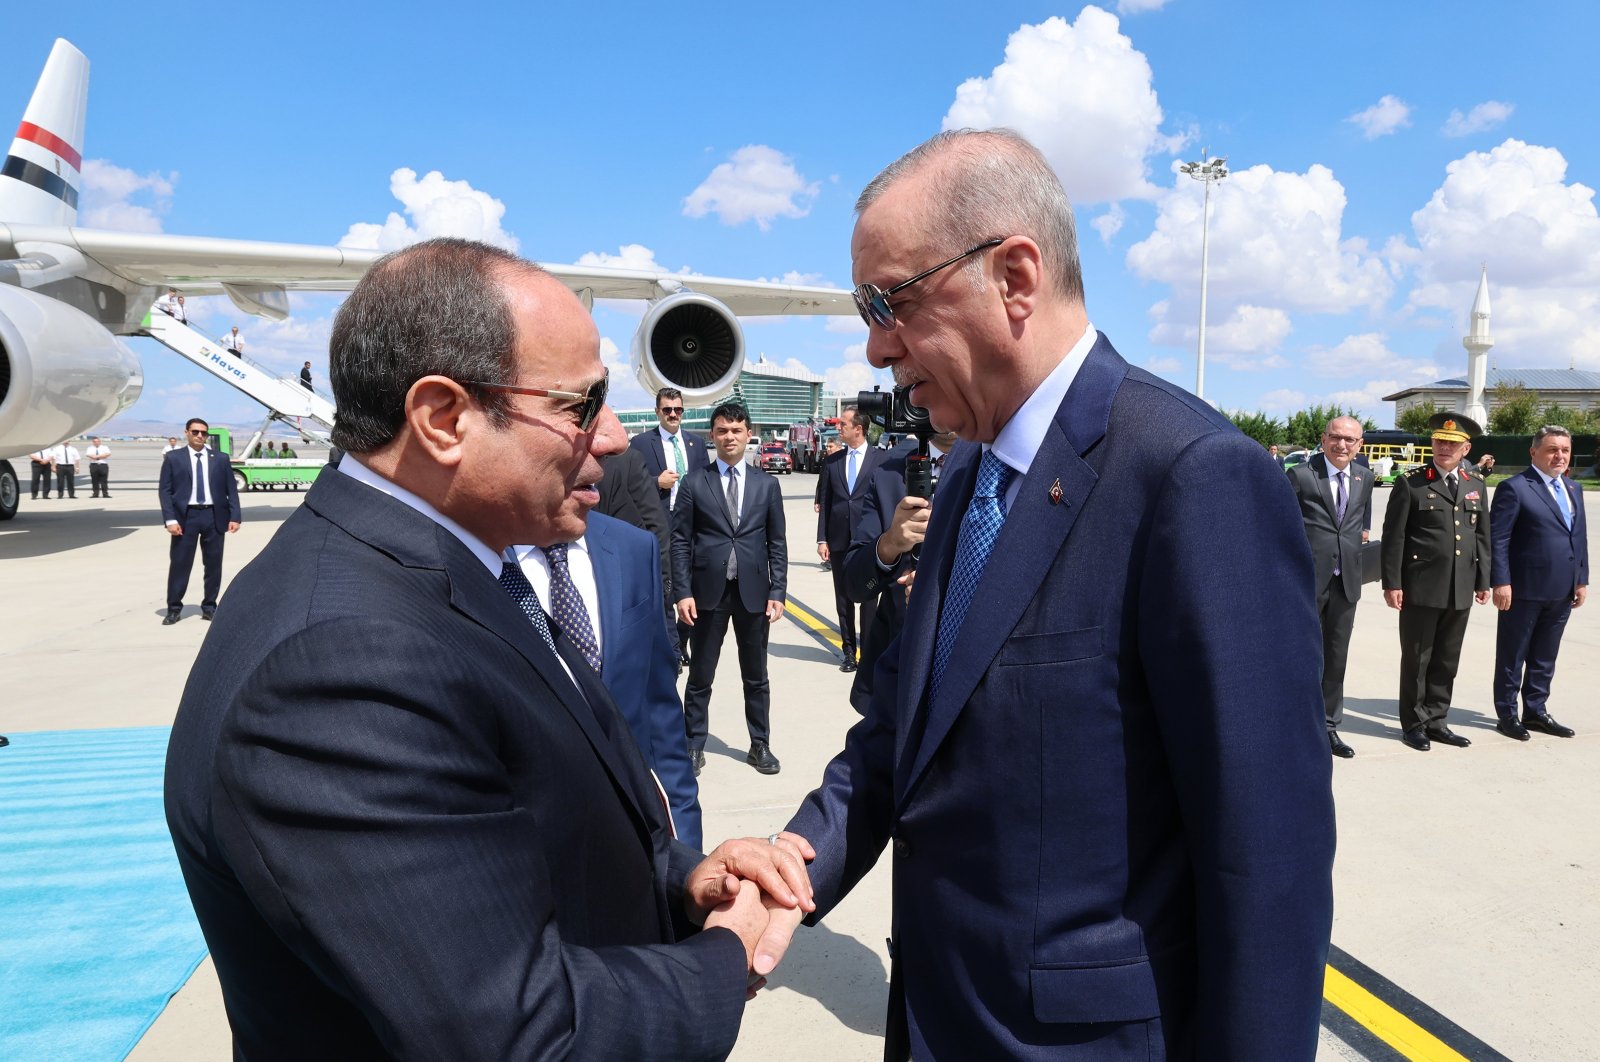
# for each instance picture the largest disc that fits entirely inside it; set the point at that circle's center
(776, 396)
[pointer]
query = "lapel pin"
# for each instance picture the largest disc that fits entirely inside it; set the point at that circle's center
(1056, 492)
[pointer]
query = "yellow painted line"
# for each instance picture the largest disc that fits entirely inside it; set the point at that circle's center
(1386, 1023)
(811, 623)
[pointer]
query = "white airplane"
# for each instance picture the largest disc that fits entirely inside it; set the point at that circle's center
(68, 294)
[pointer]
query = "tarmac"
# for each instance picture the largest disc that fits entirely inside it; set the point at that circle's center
(1467, 881)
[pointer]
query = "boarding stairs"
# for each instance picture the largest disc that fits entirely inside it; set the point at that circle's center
(286, 397)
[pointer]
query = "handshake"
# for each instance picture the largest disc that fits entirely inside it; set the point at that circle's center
(759, 889)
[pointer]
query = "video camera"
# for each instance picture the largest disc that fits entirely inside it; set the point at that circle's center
(898, 414)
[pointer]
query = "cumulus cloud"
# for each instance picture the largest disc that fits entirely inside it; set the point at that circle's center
(119, 198)
(1110, 223)
(1388, 115)
(1485, 115)
(852, 325)
(1139, 7)
(1359, 355)
(1283, 400)
(434, 206)
(758, 183)
(1247, 338)
(628, 256)
(1513, 209)
(1276, 248)
(1083, 94)
(1168, 367)
(855, 373)
(625, 392)
(799, 279)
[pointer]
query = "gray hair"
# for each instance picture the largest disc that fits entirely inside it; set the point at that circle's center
(437, 308)
(988, 183)
(1548, 430)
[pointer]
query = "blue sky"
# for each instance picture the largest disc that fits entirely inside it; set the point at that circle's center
(1381, 153)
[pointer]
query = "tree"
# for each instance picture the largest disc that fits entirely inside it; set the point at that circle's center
(1513, 410)
(1260, 427)
(1415, 419)
(1306, 426)
(1577, 421)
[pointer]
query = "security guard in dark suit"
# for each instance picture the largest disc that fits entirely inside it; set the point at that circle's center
(1435, 564)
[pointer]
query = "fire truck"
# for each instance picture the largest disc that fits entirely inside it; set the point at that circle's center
(808, 442)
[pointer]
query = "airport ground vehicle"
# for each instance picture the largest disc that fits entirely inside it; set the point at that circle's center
(808, 444)
(266, 473)
(774, 458)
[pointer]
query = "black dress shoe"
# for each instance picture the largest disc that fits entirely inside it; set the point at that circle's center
(1512, 729)
(1415, 738)
(1338, 747)
(170, 618)
(1545, 723)
(1445, 736)
(697, 761)
(207, 613)
(848, 665)
(761, 758)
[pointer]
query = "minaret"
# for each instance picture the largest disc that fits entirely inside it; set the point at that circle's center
(1478, 341)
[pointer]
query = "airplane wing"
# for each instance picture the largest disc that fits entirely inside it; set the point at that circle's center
(201, 265)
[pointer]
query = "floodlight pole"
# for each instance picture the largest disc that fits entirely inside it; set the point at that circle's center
(1207, 171)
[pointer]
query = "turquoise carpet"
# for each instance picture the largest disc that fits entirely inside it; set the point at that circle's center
(96, 931)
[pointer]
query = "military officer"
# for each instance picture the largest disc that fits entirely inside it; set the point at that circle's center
(1435, 564)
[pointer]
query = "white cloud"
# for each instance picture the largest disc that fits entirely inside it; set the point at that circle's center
(1083, 94)
(434, 206)
(1384, 117)
(1139, 7)
(856, 373)
(799, 279)
(625, 392)
(109, 194)
(1485, 115)
(628, 256)
(1513, 209)
(758, 184)
(1168, 367)
(1283, 400)
(852, 325)
(1247, 338)
(1359, 355)
(1110, 223)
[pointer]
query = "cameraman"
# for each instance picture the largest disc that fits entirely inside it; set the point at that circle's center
(879, 563)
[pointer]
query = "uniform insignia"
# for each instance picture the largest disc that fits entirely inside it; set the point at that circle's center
(1432, 475)
(1472, 496)
(1449, 425)
(1056, 492)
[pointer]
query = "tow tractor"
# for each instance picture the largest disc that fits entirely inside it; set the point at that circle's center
(265, 473)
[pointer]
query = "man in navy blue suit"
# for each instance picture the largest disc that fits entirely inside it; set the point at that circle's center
(670, 453)
(609, 569)
(841, 490)
(199, 505)
(410, 817)
(1539, 572)
(1108, 800)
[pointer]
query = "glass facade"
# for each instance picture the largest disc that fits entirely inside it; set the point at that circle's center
(776, 397)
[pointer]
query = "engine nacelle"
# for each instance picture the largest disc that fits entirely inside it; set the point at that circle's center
(61, 372)
(692, 342)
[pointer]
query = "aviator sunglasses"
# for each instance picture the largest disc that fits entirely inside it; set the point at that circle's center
(873, 303)
(593, 399)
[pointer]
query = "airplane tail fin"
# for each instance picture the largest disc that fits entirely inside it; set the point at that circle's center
(41, 175)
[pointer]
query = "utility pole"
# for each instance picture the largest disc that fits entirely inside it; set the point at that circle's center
(1208, 170)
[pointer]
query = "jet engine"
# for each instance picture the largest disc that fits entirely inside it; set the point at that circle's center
(692, 342)
(61, 372)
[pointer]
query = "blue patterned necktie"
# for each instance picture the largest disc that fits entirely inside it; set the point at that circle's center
(516, 584)
(850, 473)
(979, 528)
(567, 606)
(1563, 502)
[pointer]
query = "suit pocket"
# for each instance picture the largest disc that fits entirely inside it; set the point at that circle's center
(1099, 992)
(1051, 647)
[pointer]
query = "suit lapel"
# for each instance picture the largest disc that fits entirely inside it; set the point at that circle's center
(1323, 476)
(1543, 491)
(1035, 529)
(607, 578)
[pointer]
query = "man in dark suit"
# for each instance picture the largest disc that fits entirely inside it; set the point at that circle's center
(1335, 493)
(410, 817)
(670, 453)
(841, 488)
(628, 493)
(1538, 574)
(199, 505)
(730, 563)
(1109, 801)
(601, 592)
(1435, 565)
(879, 566)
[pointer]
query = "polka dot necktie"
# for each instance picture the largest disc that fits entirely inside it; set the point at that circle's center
(567, 607)
(516, 584)
(980, 527)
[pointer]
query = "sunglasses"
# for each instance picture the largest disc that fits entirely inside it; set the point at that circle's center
(670, 411)
(594, 399)
(197, 431)
(873, 303)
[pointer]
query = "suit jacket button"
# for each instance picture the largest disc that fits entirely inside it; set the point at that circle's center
(902, 848)
(1458, 553)
(1458, 538)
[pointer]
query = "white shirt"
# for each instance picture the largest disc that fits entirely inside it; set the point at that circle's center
(351, 466)
(1553, 484)
(672, 460)
(234, 342)
(580, 566)
(1019, 441)
(64, 454)
(195, 495)
(167, 449)
(861, 460)
(722, 479)
(98, 454)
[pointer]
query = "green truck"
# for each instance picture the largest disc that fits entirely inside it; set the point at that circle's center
(266, 473)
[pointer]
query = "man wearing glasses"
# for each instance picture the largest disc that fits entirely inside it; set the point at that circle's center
(199, 505)
(1108, 802)
(670, 453)
(1335, 495)
(411, 819)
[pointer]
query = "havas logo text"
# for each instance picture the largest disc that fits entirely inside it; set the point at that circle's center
(216, 359)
